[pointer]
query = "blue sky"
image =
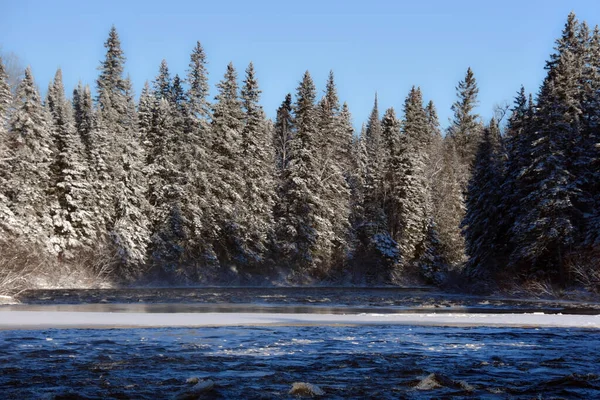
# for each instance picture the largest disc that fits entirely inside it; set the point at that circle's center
(383, 46)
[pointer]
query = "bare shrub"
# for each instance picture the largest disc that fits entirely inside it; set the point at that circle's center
(585, 270)
(20, 262)
(25, 265)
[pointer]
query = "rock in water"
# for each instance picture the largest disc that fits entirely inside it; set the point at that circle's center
(196, 390)
(435, 381)
(305, 389)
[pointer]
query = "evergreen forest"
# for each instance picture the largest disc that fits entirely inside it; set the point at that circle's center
(181, 186)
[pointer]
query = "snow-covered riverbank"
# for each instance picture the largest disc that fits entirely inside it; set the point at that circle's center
(44, 320)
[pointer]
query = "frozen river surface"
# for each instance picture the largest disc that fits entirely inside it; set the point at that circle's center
(255, 343)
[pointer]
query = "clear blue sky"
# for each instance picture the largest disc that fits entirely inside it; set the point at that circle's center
(383, 46)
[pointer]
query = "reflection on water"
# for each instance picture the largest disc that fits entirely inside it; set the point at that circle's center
(320, 300)
(383, 362)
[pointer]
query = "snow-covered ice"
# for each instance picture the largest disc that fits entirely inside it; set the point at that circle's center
(44, 320)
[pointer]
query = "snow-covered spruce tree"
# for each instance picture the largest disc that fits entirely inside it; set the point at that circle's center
(545, 232)
(145, 116)
(374, 189)
(433, 264)
(74, 225)
(411, 191)
(6, 215)
(199, 205)
(298, 227)
(32, 152)
(517, 145)
(119, 160)
(228, 185)
(450, 210)
(283, 134)
(83, 113)
(333, 143)
(465, 129)
(375, 246)
(587, 150)
(258, 173)
(357, 178)
(482, 219)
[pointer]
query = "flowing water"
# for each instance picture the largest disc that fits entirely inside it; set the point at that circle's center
(378, 361)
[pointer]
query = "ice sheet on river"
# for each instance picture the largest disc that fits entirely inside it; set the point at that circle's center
(42, 320)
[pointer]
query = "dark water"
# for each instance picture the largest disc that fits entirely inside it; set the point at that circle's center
(361, 362)
(286, 299)
(380, 362)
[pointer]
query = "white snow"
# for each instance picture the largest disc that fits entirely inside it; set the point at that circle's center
(60, 319)
(7, 300)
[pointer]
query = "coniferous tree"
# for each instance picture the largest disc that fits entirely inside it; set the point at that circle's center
(83, 113)
(228, 187)
(119, 159)
(199, 205)
(257, 171)
(298, 227)
(7, 220)
(73, 217)
(482, 218)
(32, 152)
(332, 142)
(374, 190)
(545, 232)
(283, 133)
(465, 128)
(411, 191)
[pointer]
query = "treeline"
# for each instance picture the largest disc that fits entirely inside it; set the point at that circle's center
(182, 189)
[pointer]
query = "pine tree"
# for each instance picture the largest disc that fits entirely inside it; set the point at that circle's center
(374, 190)
(32, 153)
(162, 85)
(228, 186)
(465, 129)
(197, 80)
(83, 112)
(483, 203)
(199, 205)
(145, 116)
(298, 227)
(73, 219)
(333, 142)
(411, 186)
(257, 171)
(7, 219)
(283, 133)
(119, 160)
(451, 208)
(544, 234)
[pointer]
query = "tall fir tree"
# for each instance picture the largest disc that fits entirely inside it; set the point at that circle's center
(83, 113)
(334, 192)
(73, 217)
(465, 128)
(119, 160)
(7, 219)
(257, 172)
(411, 186)
(32, 152)
(228, 185)
(199, 205)
(545, 232)
(298, 227)
(483, 244)
(283, 133)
